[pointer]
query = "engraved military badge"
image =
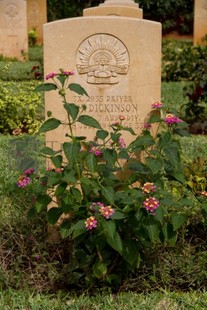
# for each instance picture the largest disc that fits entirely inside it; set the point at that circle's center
(102, 59)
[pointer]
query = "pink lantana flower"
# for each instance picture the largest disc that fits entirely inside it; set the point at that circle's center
(147, 125)
(122, 143)
(29, 171)
(96, 204)
(151, 204)
(50, 75)
(122, 118)
(95, 150)
(148, 188)
(90, 223)
(106, 211)
(23, 181)
(67, 73)
(172, 119)
(157, 105)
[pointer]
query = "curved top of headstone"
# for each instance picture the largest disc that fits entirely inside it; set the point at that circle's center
(120, 2)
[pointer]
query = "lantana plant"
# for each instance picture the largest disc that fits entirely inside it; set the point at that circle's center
(102, 196)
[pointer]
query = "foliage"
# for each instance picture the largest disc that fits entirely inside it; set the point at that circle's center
(183, 61)
(109, 200)
(32, 37)
(20, 108)
(174, 15)
(179, 19)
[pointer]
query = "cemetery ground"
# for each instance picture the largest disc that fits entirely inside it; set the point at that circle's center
(31, 269)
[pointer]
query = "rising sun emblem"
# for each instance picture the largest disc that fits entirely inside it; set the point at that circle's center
(102, 59)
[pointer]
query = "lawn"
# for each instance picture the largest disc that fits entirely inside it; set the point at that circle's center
(30, 270)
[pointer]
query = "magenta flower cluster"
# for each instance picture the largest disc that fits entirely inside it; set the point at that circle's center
(121, 143)
(149, 188)
(150, 203)
(90, 223)
(95, 150)
(24, 179)
(171, 119)
(157, 105)
(105, 211)
(51, 75)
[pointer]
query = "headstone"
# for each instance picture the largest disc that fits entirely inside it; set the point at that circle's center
(117, 59)
(36, 17)
(200, 21)
(116, 8)
(13, 28)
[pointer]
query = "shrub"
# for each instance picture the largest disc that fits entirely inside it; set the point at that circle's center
(184, 62)
(108, 220)
(20, 108)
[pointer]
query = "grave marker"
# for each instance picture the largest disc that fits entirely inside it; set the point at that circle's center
(36, 17)
(13, 28)
(200, 21)
(117, 59)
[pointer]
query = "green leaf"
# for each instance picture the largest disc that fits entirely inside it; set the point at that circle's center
(129, 130)
(101, 134)
(89, 121)
(160, 212)
(130, 252)
(49, 124)
(42, 202)
(109, 228)
(99, 270)
(48, 151)
(72, 110)
(118, 215)
(170, 234)
(179, 176)
(54, 214)
(138, 167)
(155, 165)
(57, 161)
(154, 119)
(91, 162)
(177, 220)
(71, 150)
(65, 229)
(76, 194)
(78, 229)
(110, 156)
(46, 87)
(60, 189)
(108, 193)
(77, 89)
(123, 154)
(62, 79)
(115, 242)
(152, 228)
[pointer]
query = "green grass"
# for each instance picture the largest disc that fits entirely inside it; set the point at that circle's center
(130, 301)
(21, 71)
(172, 94)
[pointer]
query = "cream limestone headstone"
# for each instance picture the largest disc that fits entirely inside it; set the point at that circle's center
(116, 8)
(36, 17)
(200, 21)
(117, 59)
(13, 28)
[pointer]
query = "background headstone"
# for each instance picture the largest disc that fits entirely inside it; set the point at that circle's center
(36, 17)
(127, 8)
(116, 59)
(13, 28)
(200, 21)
